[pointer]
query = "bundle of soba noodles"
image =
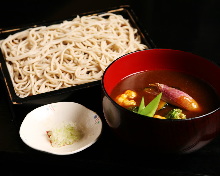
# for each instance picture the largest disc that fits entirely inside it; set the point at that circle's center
(74, 52)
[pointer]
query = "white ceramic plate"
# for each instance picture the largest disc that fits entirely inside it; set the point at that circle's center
(37, 122)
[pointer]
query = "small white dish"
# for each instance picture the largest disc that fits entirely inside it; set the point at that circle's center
(37, 122)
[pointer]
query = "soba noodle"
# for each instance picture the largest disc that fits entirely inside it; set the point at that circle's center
(74, 52)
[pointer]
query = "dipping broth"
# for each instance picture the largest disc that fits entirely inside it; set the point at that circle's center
(200, 91)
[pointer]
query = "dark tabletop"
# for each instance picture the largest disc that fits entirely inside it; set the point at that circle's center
(192, 26)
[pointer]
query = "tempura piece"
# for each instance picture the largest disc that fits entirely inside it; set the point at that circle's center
(126, 98)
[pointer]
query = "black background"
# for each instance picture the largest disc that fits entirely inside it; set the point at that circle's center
(188, 25)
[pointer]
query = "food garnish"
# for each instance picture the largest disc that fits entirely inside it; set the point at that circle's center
(127, 98)
(175, 114)
(151, 108)
(64, 135)
(174, 96)
(164, 95)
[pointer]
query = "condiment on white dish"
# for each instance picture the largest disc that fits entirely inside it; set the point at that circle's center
(37, 123)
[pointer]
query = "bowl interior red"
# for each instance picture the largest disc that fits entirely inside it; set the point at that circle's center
(157, 59)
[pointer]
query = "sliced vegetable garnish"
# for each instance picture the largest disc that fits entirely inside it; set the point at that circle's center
(175, 114)
(142, 105)
(151, 108)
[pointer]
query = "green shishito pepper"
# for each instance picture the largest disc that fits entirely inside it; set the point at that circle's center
(148, 110)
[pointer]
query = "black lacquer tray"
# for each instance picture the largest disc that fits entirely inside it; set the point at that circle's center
(62, 94)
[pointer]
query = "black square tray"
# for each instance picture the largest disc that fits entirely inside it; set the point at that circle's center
(65, 93)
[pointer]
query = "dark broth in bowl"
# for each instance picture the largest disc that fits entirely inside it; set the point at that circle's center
(200, 91)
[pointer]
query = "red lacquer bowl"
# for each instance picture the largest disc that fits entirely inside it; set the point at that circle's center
(159, 135)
